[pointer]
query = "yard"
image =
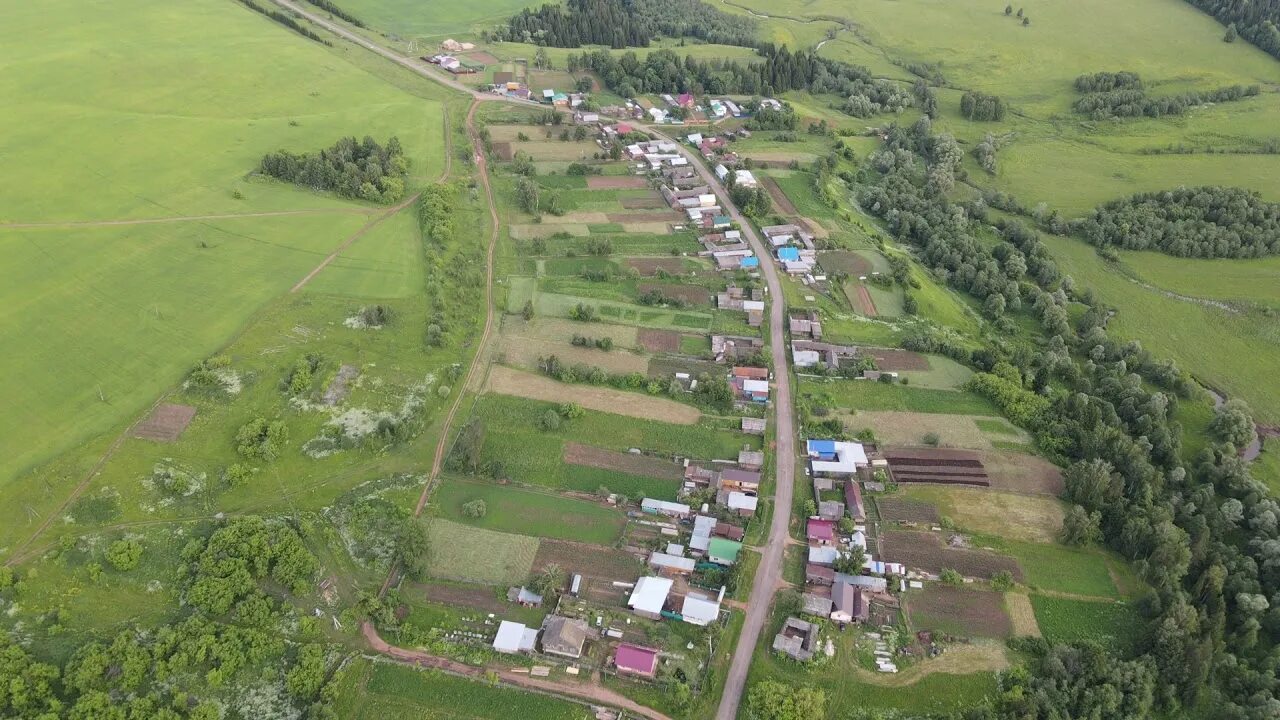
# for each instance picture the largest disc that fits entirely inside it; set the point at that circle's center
(528, 512)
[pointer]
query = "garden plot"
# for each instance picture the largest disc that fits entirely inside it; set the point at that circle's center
(525, 511)
(659, 341)
(507, 381)
(898, 509)
(480, 597)
(1033, 518)
(562, 330)
(599, 566)
(647, 202)
(695, 295)
(1022, 473)
(1021, 614)
(524, 352)
(855, 264)
(530, 231)
(165, 423)
(894, 427)
(896, 360)
(668, 265)
(959, 611)
(626, 462)
(927, 551)
(936, 465)
(468, 554)
(616, 182)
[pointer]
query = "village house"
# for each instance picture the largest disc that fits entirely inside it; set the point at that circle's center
(853, 501)
(732, 532)
(636, 661)
(723, 552)
(787, 234)
(744, 178)
(524, 596)
(820, 532)
(865, 582)
(750, 390)
(819, 575)
(815, 605)
(703, 527)
(685, 100)
(754, 426)
(737, 479)
(664, 507)
(849, 604)
(725, 348)
(805, 324)
(700, 609)
(454, 46)
(514, 637)
(798, 639)
(751, 460)
(649, 596)
(564, 636)
(837, 459)
(741, 503)
(808, 353)
(670, 565)
(830, 509)
(825, 555)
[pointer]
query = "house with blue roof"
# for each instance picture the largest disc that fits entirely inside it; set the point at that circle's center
(791, 254)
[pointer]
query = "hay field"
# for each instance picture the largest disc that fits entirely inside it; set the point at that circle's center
(909, 428)
(161, 111)
(470, 554)
(1034, 518)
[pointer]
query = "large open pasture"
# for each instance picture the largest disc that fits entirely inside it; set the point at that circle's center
(161, 111)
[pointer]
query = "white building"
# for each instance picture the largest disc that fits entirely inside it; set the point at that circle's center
(514, 637)
(649, 595)
(744, 178)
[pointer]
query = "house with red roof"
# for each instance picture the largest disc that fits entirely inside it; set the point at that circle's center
(821, 532)
(636, 660)
(685, 100)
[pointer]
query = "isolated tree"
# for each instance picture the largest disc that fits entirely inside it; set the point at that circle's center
(1019, 12)
(1026, 21)
(527, 311)
(951, 577)
(1081, 527)
(1231, 34)
(1233, 423)
(550, 581)
(1008, 9)
(549, 420)
(527, 195)
(124, 554)
(412, 548)
(774, 700)
(1002, 581)
(475, 509)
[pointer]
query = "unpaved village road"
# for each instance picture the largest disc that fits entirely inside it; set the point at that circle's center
(769, 575)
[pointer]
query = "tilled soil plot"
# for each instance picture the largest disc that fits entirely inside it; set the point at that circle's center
(780, 198)
(960, 611)
(897, 360)
(650, 266)
(689, 294)
(903, 510)
(599, 566)
(165, 423)
(656, 341)
(578, 454)
(616, 182)
(927, 551)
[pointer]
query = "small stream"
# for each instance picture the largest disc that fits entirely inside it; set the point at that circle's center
(1250, 453)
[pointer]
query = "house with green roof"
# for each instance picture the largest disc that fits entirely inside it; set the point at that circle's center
(723, 552)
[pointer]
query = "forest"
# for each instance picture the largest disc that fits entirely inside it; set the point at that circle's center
(1205, 222)
(781, 70)
(625, 23)
(1121, 94)
(1203, 533)
(1253, 20)
(361, 170)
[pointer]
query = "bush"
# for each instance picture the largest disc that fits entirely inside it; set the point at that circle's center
(124, 554)
(1002, 581)
(262, 439)
(237, 474)
(549, 421)
(951, 577)
(475, 509)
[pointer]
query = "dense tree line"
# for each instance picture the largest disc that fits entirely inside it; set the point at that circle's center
(338, 12)
(1121, 94)
(285, 20)
(363, 170)
(1254, 20)
(779, 71)
(1204, 535)
(1204, 222)
(626, 23)
(981, 106)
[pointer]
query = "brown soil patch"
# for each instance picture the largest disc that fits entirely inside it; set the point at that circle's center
(165, 423)
(481, 597)
(578, 454)
(503, 77)
(780, 199)
(688, 294)
(896, 360)
(341, 385)
(643, 217)
(896, 509)
(1021, 614)
(577, 216)
(862, 301)
(642, 203)
(509, 381)
(525, 351)
(481, 57)
(936, 465)
(1022, 473)
(504, 152)
(648, 228)
(656, 341)
(927, 551)
(599, 566)
(855, 264)
(650, 266)
(960, 611)
(616, 182)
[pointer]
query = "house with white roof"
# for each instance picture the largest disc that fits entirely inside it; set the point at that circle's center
(837, 459)
(649, 596)
(514, 637)
(701, 610)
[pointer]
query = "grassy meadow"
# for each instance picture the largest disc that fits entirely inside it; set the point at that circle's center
(163, 111)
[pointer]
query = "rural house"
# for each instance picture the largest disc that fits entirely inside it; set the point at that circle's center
(752, 460)
(798, 639)
(753, 426)
(732, 479)
(524, 596)
(853, 501)
(663, 507)
(732, 532)
(701, 610)
(849, 604)
(564, 636)
(636, 660)
(741, 503)
(514, 637)
(823, 555)
(866, 582)
(835, 458)
(703, 526)
(670, 565)
(819, 575)
(723, 552)
(816, 605)
(820, 532)
(830, 509)
(649, 596)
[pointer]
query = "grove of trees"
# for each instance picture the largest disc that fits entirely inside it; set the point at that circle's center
(354, 169)
(1121, 94)
(1253, 20)
(625, 23)
(1206, 222)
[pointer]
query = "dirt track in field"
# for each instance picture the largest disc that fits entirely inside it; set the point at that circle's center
(780, 199)
(508, 381)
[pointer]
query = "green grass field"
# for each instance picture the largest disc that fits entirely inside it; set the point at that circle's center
(1114, 625)
(526, 512)
(470, 554)
(1064, 569)
(871, 395)
(386, 691)
(162, 111)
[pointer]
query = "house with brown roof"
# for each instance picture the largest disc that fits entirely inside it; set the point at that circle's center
(798, 639)
(732, 532)
(564, 636)
(849, 603)
(853, 500)
(739, 480)
(751, 373)
(819, 575)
